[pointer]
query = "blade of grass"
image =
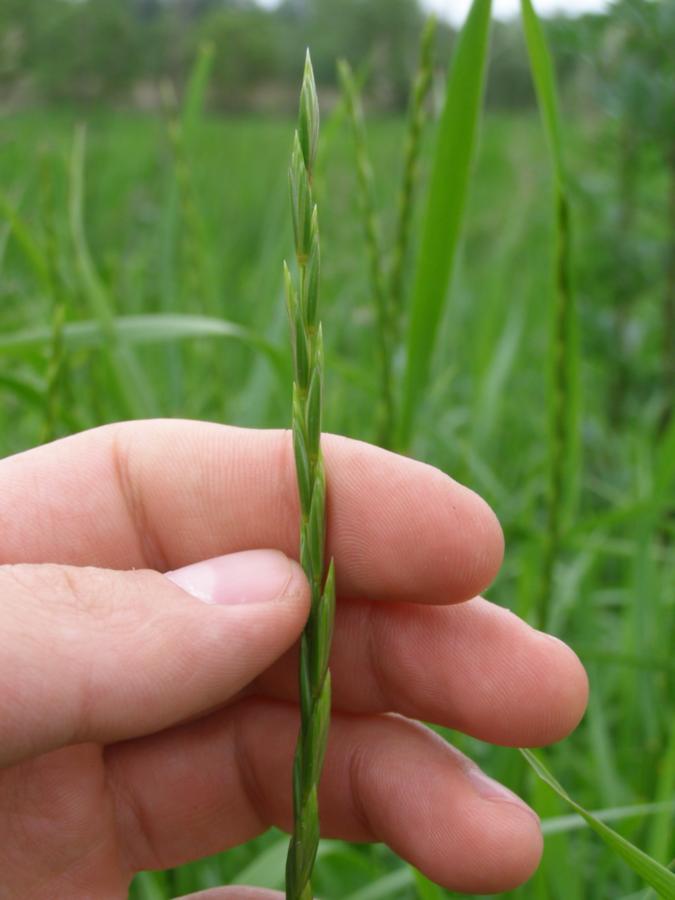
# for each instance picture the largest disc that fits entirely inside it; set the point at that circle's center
(387, 886)
(154, 328)
(149, 886)
(135, 390)
(267, 869)
(28, 388)
(574, 822)
(660, 839)
(29, 247)
(425, 889)
(446, 201)
(564, 397)
(651, 871)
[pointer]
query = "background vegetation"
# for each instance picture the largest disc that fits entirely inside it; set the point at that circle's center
(125, 190)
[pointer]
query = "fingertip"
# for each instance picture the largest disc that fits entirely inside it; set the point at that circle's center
(470, 542)
(513, 850)
(489, 546)
(568, 688)
(509, 836)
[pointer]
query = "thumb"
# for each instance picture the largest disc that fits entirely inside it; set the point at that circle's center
(97, 655)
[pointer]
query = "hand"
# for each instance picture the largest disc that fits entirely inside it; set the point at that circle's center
(141, 728)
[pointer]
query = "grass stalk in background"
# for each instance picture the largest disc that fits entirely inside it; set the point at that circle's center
(446, 201)
(307, 343)
(564, 396)
(200, 282)
(385, 333)
(387, 280)
(410, 174)
(56, 374)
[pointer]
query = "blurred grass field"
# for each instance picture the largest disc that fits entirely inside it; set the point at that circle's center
(200, 228)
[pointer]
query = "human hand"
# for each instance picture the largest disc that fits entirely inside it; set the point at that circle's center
(141, 728)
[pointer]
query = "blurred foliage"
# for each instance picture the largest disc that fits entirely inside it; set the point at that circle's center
(626, 77)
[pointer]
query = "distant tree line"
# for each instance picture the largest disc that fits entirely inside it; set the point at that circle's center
(121, 51)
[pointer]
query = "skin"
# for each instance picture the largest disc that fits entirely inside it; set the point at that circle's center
(141, 728)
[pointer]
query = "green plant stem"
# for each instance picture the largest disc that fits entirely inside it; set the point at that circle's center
(386, 421)
(314, 682)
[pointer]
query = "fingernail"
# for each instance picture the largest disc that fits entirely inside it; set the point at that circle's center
(253, 576)
(490, 789)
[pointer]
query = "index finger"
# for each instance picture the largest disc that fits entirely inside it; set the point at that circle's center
(162, 494)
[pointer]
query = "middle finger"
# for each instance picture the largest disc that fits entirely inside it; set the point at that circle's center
(474, 667)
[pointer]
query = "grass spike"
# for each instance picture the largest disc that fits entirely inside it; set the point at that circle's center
(306, 338)
(564, 391)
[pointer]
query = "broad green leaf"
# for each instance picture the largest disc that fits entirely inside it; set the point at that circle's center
(651, 871)
(446, 200)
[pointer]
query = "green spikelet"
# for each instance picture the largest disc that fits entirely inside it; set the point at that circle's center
(306, 341)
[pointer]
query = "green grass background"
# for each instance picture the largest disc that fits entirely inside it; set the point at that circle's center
(205, 234)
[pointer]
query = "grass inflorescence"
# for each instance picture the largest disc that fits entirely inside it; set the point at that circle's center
(302, 298)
